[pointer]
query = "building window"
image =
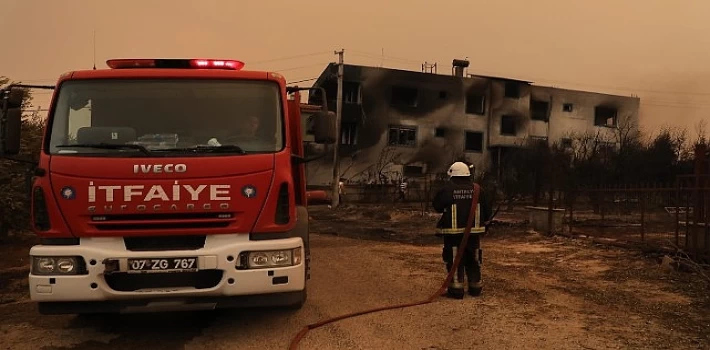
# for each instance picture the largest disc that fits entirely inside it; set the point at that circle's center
(439, 132)
(567, 107)
(474, 141)
(475, 104)
(605, 116)
(402, 136)
(348, 134)
(404, 96)
(351, 93)
(507, 125)
(512, 89)
(412, 171)
(331, 92)
(538, 110)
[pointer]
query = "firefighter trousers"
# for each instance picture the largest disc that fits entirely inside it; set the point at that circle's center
(471, 260)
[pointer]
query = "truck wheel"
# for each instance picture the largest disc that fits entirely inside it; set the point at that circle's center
(302, 230)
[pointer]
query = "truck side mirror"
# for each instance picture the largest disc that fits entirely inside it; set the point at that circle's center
(324, 127)
(11, 121)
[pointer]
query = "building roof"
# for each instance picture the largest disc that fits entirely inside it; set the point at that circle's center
(499, 78)
(330, 71)
(585, 91)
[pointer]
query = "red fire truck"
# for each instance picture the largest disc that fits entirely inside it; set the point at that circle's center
(168, 184)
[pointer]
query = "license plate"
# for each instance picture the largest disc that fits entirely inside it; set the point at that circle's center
(147, 265)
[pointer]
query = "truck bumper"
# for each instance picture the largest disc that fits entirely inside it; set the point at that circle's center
(170, 304)
(217, 282)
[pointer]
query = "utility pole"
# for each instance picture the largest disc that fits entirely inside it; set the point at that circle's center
(335, 200)
(94, 49)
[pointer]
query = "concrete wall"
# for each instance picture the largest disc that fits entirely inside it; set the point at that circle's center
(581, 118)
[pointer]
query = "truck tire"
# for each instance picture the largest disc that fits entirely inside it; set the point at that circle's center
(302, 230)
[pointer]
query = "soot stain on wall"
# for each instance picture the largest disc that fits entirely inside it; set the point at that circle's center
(381, 111)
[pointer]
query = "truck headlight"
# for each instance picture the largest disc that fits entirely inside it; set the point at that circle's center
(269, 258)
(57, 265)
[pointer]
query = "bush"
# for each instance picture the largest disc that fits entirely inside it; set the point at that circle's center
(15, 180)
(592, 162)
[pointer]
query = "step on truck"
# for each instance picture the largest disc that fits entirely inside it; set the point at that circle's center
(168, 184)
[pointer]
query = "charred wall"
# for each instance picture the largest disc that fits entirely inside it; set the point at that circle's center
(438, 119)
(510, 117)
(433, 106)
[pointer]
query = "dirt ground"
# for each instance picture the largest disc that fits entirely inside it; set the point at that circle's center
(14, 267)
(603, 291)
(540, 292)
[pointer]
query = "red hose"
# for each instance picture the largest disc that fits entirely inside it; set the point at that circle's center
(431, 298)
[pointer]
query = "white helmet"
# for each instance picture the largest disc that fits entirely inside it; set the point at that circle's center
(459, 169)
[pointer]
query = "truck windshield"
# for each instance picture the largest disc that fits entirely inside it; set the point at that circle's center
(158, 117)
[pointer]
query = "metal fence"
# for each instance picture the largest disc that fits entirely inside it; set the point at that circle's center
(419, 191)
(664, 215)
(673, 215)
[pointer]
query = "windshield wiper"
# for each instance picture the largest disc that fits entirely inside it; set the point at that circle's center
(140, 148)
(206, 149)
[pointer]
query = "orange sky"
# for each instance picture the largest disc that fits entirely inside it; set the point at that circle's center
(656, 49)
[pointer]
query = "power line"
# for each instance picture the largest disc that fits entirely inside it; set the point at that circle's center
(379, 57)
(687, 106)
(37, 80)
(301, 81)
(621, 88)
(678, 103)
(382, 56)
(301, 67)
(291, 57)
(618, 88)
(250, 63)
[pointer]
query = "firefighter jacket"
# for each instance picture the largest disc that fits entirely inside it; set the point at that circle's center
(454, 201)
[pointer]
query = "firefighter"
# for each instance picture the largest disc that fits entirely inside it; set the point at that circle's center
(341, 190)
(243, 132)
(454, 202)
(402, 189)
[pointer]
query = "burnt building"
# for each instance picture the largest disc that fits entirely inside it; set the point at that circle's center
(406, 123)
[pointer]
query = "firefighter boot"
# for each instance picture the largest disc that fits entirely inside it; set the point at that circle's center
(455, 289)
(473, 272)
(475, 288)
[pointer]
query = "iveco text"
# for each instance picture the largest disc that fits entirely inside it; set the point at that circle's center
(159, 168)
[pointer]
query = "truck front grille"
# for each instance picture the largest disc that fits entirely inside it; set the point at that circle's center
(163, 243)
(125, 282)
(118, 222)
